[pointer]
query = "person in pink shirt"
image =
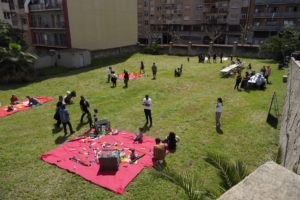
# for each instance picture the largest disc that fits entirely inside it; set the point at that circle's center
(268, 73)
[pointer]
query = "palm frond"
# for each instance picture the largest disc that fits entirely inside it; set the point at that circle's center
(277, 157)
(185, 180)
(295, 169)
(241, 170)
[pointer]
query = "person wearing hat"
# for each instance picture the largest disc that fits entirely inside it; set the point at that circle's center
(84, 107)
(33, 102)
(147, 108)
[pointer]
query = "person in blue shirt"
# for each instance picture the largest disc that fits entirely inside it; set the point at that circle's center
(139, 137)
(65, 119)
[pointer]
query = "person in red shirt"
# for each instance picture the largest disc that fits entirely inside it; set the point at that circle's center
(14, 100)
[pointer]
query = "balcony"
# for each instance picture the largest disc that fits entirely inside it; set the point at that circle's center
(177, 11)
(167, 12)
(167, 1)
(45, 7)
(243, 21)
(50, 43)
(210, 10)
(210, 21)
(47, 25)
(276, 1)
(222, 9)
(210, 1)
(221, 21)
(169, 21)
(276, 28)
(15, 22)
(276, 15)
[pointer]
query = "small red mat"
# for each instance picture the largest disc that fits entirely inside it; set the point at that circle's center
(113, 180)
(22, 106)
(131, 76)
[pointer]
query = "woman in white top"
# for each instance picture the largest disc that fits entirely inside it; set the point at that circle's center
(219, 111)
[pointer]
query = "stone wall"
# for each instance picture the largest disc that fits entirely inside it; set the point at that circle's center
(102, 53)
(290, 126)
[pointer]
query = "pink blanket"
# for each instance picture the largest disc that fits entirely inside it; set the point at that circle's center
(113, 180)
(131, 76)
(22, 106)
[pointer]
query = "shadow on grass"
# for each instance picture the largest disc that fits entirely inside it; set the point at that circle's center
(219, 130)
(272, 121)
(55, 71)
(56, 130)
(146, 128)
(61, 139)
(80, 125)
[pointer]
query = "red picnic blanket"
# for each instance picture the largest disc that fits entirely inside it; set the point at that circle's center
(131, 76)
(22, 106)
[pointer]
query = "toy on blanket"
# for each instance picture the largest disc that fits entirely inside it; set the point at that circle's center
(10, 108)
(77, 160)
(138, 157)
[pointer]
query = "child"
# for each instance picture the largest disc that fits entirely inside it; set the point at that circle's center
(95, 115)
(132, 155)
(90, 121)
(114, 79)
(139, 137)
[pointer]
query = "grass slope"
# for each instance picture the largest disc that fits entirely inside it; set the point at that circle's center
(184, 105)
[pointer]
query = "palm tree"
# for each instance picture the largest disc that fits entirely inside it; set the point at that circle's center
(16, 65)
(279, 44)
(229, 175)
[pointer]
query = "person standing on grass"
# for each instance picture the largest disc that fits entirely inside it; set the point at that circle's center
(65, 119)
(154, 71)
(180, 68)
(147, 108)
(221, 57)
(56, 115)
(208, 57)
(219, 111)
(238, 81)
(108, 74)
(84, 104)
(268, 73)
(142, 68)
(114, 79)
(215, 58)
(126, 78)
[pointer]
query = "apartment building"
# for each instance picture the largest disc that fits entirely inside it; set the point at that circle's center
(12, 11)
(271, 16)
(83, 24)
(192, 18)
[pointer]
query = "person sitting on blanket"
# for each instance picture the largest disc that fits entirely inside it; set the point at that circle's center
(33, 102)
(14, 100)
(159, 150)
(171, 141)
(139, 137)
(132, 155)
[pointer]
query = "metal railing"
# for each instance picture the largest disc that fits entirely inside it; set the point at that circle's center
(51, 42)
(276, 28)
(223, 9)
(275, 1)
(277, 14)
(221, 20)
(15, 22)
(43, 6)
(48, 25)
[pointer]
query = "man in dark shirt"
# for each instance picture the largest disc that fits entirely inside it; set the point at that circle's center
(154, 70)
(221, 57)
(126, 78)
(84, 107)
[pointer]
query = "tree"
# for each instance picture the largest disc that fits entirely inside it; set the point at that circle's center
(214, 32)
(175, 35)
(279, 44)
(154, 34)
(16, 65)
(229, 175)
(246, 32)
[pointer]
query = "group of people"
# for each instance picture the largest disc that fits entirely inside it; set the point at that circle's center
(33, 102)
(178, 72)
(201, 57)
(261, 79)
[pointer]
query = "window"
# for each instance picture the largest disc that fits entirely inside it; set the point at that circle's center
(158, 18)
(145, 13)
(6, 15)
(245, 3)
(139, 24)
(198, 17)
(181, 28)
(291, 9)
(256, 22)
(151, 17)
(24, 21)
(158, 8)
(244, 15)
(199, 7)
(186, 7)
(271, 22)
(20, 4)
(273, 9)
(233, 17)
(4, 1)
(186, 17)
(288, 22)
(146, 3)
(146, 22)
(234, 5)
(140, 15)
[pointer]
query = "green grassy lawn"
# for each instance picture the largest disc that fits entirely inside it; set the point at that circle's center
(184, 105)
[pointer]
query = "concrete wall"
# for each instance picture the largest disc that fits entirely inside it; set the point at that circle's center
(101, 53)
(72, 58)
(290, 126)
(44, 61)
(108, 24)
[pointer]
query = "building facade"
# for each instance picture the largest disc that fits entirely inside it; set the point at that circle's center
(272, 16)
(81, 24)
(12, 11)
